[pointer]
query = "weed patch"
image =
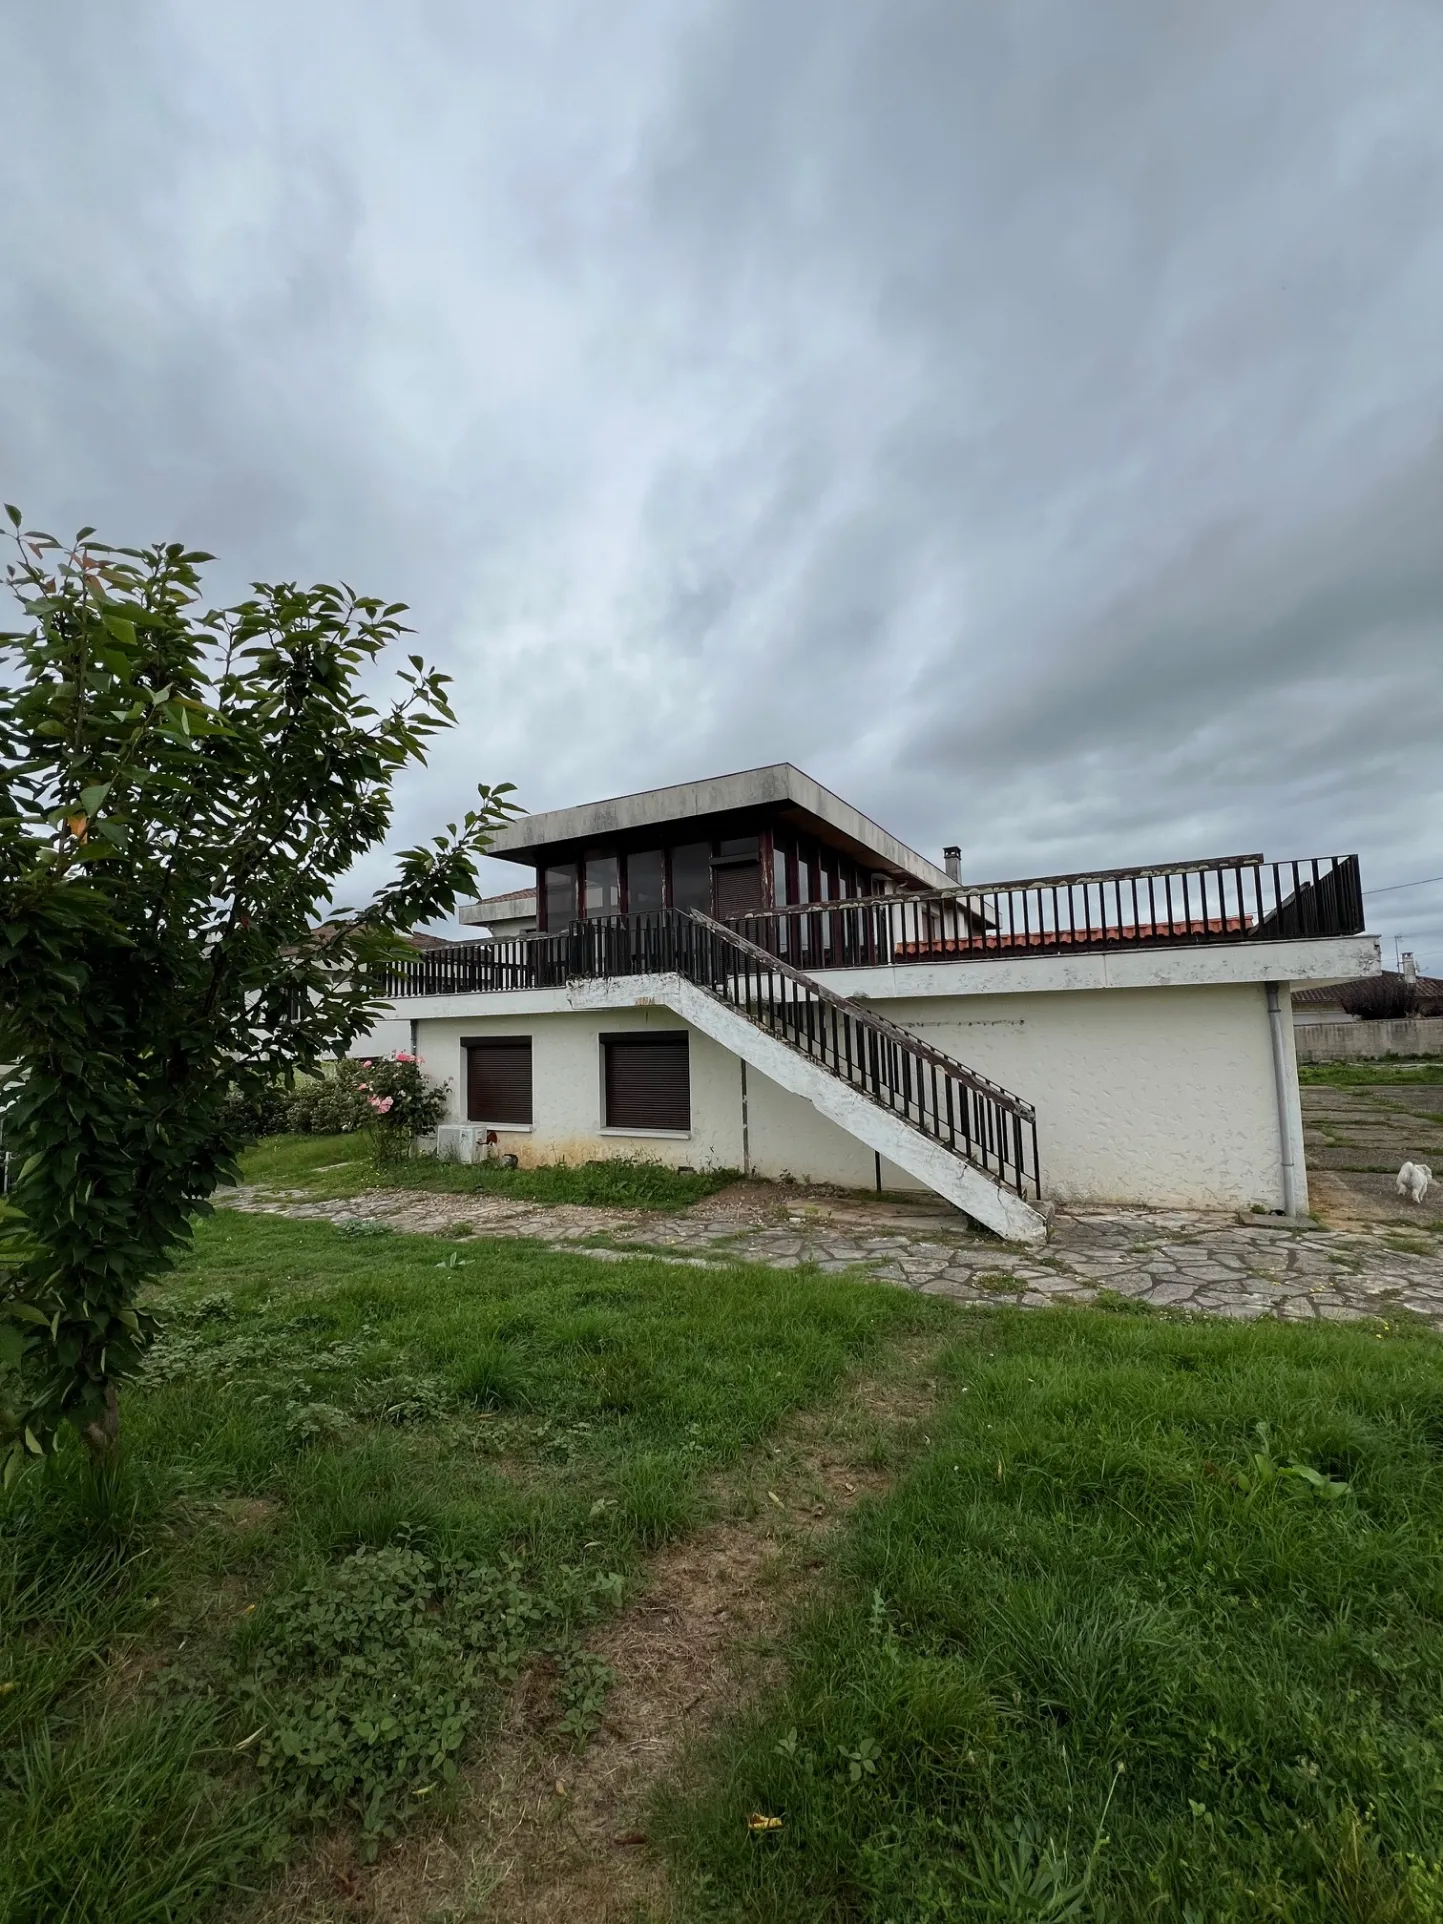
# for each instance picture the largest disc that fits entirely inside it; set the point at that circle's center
(621, 1182)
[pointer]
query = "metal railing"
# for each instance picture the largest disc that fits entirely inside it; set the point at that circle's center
(1235, 899)
(973, 1117)
(942, 1099)
(1238, 899)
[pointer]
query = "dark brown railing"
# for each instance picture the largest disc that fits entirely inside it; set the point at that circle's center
(1236, 899)
(973, 1117)
(942, 1099)
(1240, 899)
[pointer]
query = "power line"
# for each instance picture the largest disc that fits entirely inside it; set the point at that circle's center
(1393, 887)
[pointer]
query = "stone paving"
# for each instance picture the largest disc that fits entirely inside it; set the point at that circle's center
(1211, 1263)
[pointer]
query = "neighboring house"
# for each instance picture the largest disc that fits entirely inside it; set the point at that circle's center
(393, 1033)
(749, 972)
(504, 916)
(1396, 994)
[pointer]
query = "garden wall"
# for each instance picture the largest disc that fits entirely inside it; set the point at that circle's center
(1416, 1035)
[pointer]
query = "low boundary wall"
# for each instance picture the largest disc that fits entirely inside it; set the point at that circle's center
(1414, 1035)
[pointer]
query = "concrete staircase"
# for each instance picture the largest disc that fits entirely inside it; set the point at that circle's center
(965, 1138)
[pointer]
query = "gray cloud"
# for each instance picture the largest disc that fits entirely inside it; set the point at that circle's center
(1027, 418)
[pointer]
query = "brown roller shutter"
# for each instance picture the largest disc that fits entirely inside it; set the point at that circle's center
(498, 1079)
(648, 1081)
(738, 888)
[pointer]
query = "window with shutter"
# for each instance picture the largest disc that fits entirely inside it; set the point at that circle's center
(498, 1079)
(648, 1081)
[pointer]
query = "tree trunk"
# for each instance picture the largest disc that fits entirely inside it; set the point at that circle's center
(102, 1437)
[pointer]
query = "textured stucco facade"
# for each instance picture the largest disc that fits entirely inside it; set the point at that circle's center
(1152, 1074)
(1163, 1096)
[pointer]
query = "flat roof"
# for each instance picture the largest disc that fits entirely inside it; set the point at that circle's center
(788, 790)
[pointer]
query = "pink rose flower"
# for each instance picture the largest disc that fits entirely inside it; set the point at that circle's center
(380, 1104)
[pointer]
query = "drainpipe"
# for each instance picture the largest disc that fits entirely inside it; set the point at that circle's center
(1285, 1107)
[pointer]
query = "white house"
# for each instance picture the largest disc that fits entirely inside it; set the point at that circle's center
(748, 972)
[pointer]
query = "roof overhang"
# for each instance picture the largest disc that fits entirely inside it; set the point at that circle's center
(778, 790)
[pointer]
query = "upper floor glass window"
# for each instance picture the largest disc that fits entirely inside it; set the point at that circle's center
(691, 877)
(560, 897)
(603, 883)
(645, 876)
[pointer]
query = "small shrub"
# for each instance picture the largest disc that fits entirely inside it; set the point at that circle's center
(264, 1113)
(389, 1096)
(330, 1107)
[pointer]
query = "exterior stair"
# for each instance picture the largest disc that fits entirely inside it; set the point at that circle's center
(966, 1138)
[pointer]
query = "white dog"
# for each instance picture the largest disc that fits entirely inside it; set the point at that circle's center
(1413, 1180)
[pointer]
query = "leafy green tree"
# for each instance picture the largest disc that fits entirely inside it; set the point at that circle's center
(180, 793)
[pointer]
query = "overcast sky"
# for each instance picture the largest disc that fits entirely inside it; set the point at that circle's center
(1023, 414)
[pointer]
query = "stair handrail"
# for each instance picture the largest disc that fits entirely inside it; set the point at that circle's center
(869, 1018)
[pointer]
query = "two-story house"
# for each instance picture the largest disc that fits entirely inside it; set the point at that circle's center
(749, 972)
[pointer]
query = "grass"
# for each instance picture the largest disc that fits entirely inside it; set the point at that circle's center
(340, 1167)
(1150, 1628)
(366, 1479)
(1379, 1074)
(1106, 1652)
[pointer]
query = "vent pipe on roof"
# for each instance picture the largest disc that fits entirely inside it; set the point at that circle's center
(952, 862)
(1409, 965)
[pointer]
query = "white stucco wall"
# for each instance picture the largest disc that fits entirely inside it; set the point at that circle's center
(387, 1038)
(1161, 1096)
(782, 1134)
(1164, 1096)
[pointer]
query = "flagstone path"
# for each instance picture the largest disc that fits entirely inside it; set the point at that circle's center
(1210, 1262)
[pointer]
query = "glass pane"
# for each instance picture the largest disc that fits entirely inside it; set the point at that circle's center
(779, 877)
(560, 897)
(740, 845)
(643, 882)
(691, 877)
(603, 883)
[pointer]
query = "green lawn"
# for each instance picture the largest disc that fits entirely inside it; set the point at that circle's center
(366, 1478)
(1107, 1653)
(341, 1166)
(1152, 1628)
(1349, 1075)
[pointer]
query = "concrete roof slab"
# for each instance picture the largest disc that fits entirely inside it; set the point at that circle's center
(779, 785)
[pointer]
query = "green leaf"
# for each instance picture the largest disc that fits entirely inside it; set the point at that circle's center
(17, 1312)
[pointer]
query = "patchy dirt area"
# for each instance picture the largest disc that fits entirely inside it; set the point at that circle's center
(1358, 1137)
(547, 1833)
